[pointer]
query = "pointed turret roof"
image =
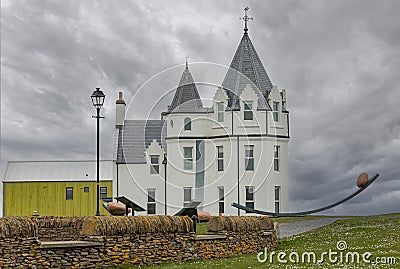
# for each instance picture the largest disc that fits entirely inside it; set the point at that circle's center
(187, 98)
(246, 68)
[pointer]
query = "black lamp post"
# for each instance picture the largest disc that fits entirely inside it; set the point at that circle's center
(164, 162)
(98, 101)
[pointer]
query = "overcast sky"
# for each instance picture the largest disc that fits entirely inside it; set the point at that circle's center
(339, 62)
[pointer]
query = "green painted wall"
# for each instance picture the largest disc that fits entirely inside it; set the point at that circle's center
(49, 198)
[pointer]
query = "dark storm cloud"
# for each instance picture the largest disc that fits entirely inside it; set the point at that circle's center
(338, 60)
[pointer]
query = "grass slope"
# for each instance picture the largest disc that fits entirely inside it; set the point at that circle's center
(379, 235)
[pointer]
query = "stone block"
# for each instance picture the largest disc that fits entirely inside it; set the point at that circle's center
(266, 224)
(88, 228)
(215, 224)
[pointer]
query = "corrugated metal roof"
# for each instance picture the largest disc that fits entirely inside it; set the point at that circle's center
(21, 171)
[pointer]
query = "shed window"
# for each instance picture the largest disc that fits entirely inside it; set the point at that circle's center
(69, 193)
(86, 189)
(103, 192)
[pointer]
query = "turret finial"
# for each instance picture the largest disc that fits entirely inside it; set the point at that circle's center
(246, 18)
(187, 66)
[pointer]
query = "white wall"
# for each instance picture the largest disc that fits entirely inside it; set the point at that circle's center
(134, 179)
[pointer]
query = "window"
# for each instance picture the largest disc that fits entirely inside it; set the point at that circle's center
(103, 192)
(275, 111)
(220, 158)
(220, 111)
(249, 157)
(221, 203)
(187, 124)
(248, 111)
(250, 197)
(187, 195)
(276, 157)
(154, 165)
(86, 189)
(69, 193)
(277, 198)
(151, 201)
(187, 158)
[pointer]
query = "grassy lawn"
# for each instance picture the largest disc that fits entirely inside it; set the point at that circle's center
(201, 228)
(379, 235)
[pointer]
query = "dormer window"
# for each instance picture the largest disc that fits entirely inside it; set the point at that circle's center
(275, 111)
(220, 112)
(187, 124)
(154, 164)
(248, 111)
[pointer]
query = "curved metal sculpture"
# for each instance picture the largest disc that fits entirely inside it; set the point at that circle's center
(296, 214)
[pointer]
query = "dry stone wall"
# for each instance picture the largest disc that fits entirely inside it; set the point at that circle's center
(115, 241)
(59, 228)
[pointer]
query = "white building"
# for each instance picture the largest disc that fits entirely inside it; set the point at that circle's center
(234, 151)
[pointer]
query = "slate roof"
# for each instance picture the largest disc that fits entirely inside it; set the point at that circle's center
(186, 98)
(27, 171)
(135, 136)
(246, 68)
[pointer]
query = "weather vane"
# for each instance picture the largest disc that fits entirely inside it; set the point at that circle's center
(245, 18)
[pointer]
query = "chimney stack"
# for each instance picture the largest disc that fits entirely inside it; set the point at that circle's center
(120, 111)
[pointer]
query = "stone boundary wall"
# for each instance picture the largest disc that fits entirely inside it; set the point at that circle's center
(45, 228)
(239, 224)
(59, 228)
(116, 241)
(17, 226)
(109, 226)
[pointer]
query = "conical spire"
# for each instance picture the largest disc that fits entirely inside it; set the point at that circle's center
(246, 68)
(187, 98)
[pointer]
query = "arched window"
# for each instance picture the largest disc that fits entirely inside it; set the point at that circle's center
(187, 124)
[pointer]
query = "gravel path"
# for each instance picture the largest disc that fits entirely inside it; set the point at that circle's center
(298, 227)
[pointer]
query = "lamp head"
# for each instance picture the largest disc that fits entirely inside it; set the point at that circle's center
(98, 98)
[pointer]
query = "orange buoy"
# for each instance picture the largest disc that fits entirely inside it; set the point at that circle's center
(362, 180)
(204, 216)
